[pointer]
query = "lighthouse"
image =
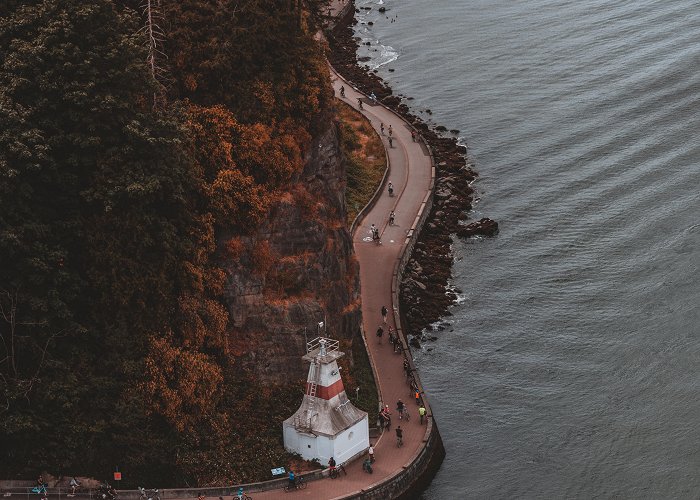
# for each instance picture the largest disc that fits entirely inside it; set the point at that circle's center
(326, 424)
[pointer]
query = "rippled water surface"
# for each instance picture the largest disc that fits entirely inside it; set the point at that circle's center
(570, 370)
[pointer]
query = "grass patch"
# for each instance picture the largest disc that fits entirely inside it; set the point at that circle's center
(366, 159)
(360, 374)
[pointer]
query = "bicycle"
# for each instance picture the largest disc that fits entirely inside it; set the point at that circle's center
(335, 471)
(299, 484)
(240, 495)
(149, 494)
(406, 415)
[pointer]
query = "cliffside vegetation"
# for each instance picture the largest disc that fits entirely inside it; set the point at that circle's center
(128, 149)
(366, 159)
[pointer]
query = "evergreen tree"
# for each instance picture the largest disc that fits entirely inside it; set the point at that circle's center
(94, 224)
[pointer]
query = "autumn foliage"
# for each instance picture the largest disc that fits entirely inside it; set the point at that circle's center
(115, 211)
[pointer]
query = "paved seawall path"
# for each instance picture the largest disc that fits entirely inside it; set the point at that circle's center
(410, 173)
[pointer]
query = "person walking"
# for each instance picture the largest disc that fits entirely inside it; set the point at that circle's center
(400, 408)
(392, 216)
(413, 135)
(381, 127)
(385, 312)
(380, 332)
(359, 102)
(370, 452)
(391, 142)
(342, 91)
(391, 132)
(421, 412)
(390, 188)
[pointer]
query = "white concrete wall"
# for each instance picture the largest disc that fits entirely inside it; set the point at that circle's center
(345, 445)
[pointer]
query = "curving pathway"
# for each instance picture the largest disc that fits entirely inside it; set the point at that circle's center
(410, 173)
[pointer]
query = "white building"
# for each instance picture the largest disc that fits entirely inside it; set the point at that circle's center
(326, 424)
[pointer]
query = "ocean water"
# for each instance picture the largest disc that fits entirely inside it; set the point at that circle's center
(570, 367)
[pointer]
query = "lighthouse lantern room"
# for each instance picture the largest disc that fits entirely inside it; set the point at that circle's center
(326, 424)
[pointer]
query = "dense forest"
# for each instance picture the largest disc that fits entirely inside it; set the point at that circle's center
(135, 138)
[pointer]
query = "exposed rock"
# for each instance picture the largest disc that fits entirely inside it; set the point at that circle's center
(483, 227)
(296, 270)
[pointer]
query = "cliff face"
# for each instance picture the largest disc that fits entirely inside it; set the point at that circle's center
(297, 270)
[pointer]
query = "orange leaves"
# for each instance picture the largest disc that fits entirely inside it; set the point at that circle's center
(262, 258)
(183, 385)
(236, 200)
(240, 166)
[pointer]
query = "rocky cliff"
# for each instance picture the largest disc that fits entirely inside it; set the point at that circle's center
(297, 270)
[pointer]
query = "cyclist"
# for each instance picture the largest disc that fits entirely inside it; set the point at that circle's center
(331, 464)
(292, 480)
(392, 216)
(74, 485)
(390, 188)
(421, 412)
(359, 102)
(399, 436)
(400, 408)
(342, 91)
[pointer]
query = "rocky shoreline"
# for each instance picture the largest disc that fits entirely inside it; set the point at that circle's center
(425, 293)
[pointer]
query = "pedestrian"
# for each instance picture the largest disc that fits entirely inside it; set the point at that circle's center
(342, 91)
(406, 367)
(391, 142)
(392, 216)
(359, 102)
(381, 127)
(370, 451)
(400, 408)
(372, 230)
(392, 337)
(391, 132)
(417, 397)
(413, 136)
(380, 332)
(385, 311)
(421, 412)
(373, 97)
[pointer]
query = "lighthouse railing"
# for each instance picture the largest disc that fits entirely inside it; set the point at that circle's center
(331, 344)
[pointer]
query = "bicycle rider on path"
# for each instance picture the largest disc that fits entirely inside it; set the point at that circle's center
(400, 408)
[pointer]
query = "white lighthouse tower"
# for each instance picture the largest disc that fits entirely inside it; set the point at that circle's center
(326, 424)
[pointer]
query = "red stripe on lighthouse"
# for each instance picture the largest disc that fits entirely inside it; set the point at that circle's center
(328, 392)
